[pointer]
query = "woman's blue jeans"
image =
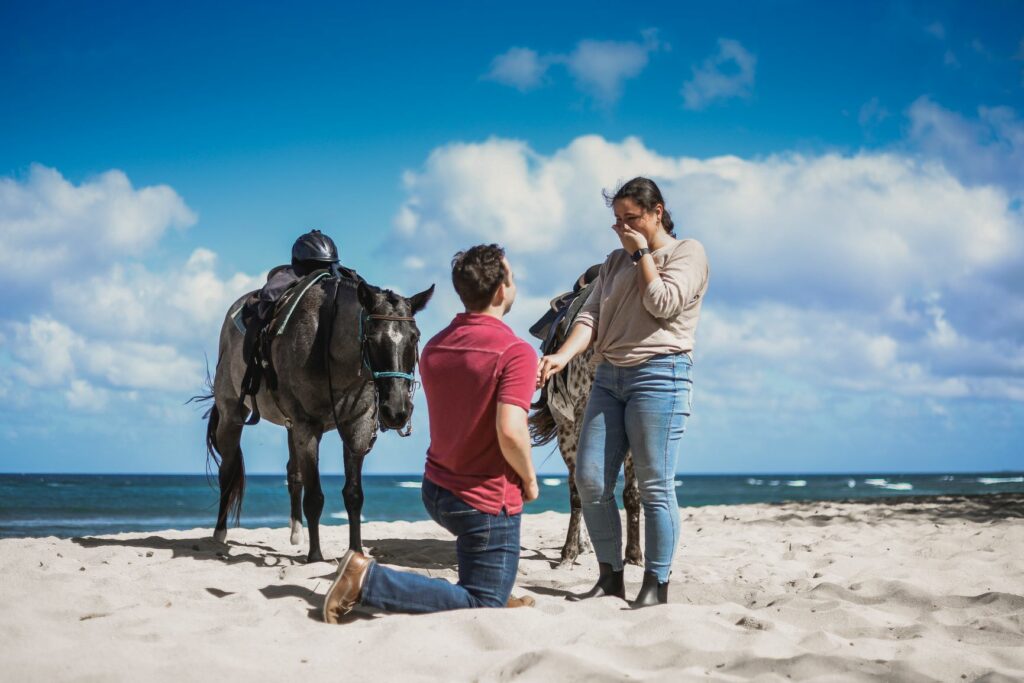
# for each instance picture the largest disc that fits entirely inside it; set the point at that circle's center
(487, 547)
(642, 409)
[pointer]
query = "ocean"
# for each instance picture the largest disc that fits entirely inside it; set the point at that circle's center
(68, 505)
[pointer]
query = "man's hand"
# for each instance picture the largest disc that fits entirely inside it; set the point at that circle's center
(530, 490)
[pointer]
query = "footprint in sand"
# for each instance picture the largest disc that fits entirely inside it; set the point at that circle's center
(753, 624)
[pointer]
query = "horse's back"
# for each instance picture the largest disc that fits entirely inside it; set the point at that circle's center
(230, 364)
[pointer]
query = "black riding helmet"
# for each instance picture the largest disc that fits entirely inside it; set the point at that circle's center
(314, 246)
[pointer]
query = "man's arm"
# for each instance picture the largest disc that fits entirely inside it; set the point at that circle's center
(514, 440)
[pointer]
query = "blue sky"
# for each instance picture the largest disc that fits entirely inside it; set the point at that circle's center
(855, 172)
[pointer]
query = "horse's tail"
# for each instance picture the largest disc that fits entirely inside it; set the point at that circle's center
(212, 452)
(233, 480)
(542, 423)
(212, 417)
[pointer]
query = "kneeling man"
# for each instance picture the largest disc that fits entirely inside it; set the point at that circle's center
(479, 378)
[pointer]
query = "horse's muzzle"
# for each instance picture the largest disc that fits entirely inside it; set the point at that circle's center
(394, 417)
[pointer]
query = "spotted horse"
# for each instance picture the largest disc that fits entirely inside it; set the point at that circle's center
(558, 413)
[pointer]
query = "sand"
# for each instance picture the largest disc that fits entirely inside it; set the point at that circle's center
(918, 591)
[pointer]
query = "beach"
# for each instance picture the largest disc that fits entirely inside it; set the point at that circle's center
(912, 589)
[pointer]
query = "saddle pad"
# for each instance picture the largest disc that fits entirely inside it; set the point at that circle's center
(574, 310)
(292, 298)
(558, 400)
(563, 309)
(236, 317)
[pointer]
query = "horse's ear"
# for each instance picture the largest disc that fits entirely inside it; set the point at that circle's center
(419, 301)
(365, 294)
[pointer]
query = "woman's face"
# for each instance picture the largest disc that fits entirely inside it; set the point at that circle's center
(628, 212)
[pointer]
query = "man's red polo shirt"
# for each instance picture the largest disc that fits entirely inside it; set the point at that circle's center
(467, 368)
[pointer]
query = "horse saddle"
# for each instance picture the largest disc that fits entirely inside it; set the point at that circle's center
(552, 329)
(554, 325)
(243, 316)
(256, 346)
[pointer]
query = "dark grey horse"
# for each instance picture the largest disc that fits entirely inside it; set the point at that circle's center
(348, 350)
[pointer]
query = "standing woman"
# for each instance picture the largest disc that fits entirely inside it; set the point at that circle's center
(641, 317)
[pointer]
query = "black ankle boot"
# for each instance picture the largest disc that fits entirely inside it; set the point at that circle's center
(608, 583)
(652, 592)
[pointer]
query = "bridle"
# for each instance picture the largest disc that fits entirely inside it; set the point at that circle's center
(364, 352)
(365, 317)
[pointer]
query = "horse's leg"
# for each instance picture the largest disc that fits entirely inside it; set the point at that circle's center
(567, 440)
(304, 441)
(631, 501)
(225, 436)
(295, 493)
(353, 495)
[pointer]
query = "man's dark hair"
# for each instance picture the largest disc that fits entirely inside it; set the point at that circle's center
(477, 273)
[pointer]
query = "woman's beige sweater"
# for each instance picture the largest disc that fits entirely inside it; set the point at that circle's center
(633, 324)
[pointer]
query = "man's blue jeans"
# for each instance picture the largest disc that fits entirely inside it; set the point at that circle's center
(642, 409)
(487, 548)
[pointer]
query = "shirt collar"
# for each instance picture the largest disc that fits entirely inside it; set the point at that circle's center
(478, 319)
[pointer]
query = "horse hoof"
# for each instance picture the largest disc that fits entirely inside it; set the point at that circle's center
(296, 537)
(636, 558)
(220, 535)
(315, 557)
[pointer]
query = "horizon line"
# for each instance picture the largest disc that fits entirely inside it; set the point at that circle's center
(539, 474)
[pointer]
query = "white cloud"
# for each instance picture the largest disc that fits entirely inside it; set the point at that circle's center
(847, 351)
(50, 354)
(413, 263)
(48, 225)
(135, 365)
(936, 30)
(989, 149)
(519, 67)
(871, 113)
(479, 190)
(185, 303)
(599, 68)
(860, 227)
(84, 397)
(726, 74)
(841, 272)
(132, 328)
(100, 325)
(45, 348)
(982, 49)
(850, 229)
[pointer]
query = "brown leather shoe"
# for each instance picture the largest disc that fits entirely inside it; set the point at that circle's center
(347, 587)
(522, 601)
